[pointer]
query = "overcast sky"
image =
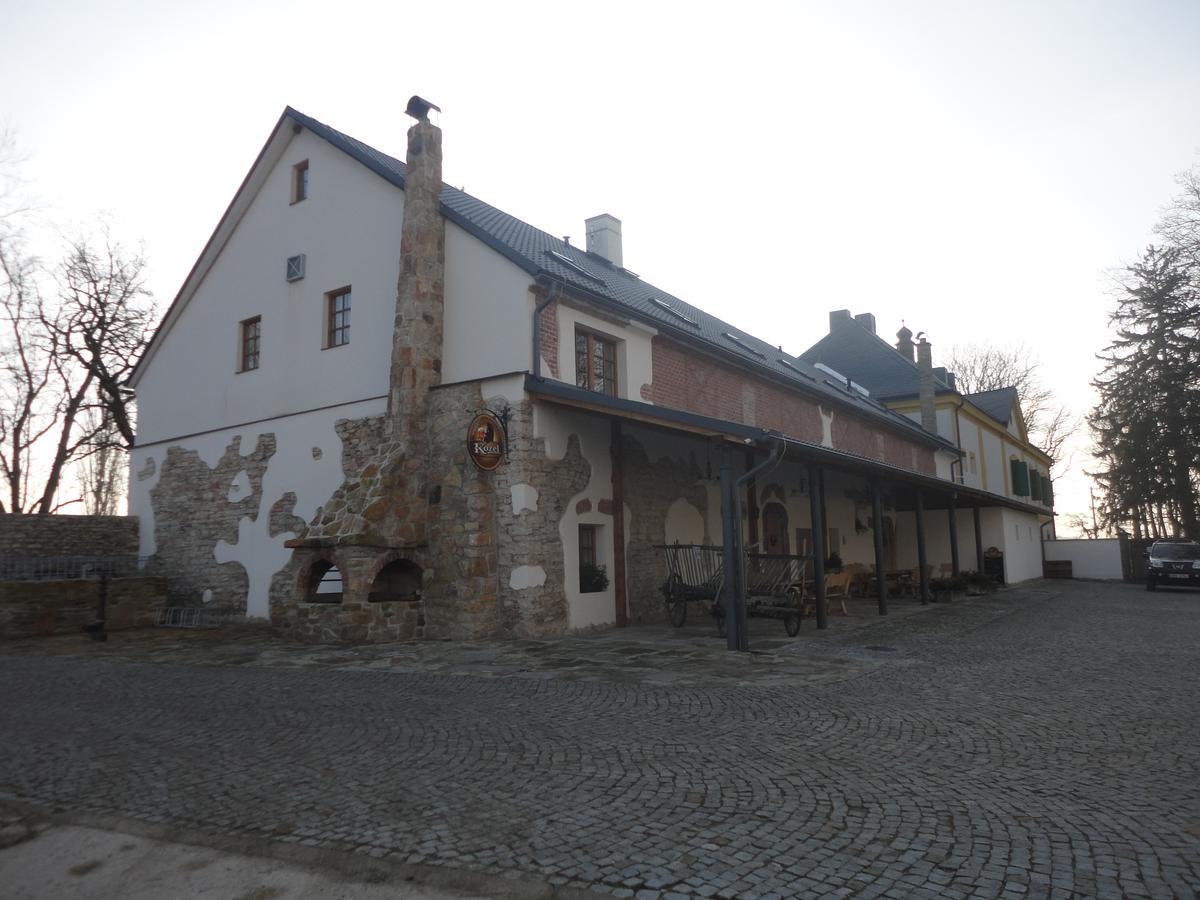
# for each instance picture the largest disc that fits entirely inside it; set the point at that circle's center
(971, 168)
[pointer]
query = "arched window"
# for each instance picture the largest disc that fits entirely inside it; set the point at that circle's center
(324, 583)
(398, 580)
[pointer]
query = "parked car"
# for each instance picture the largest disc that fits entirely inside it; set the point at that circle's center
(1172, 564)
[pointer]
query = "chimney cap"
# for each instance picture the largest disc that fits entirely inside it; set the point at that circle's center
(419, 107)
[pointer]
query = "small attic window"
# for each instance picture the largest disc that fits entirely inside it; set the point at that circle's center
(295, 267)
(300, 181)
(737, 340)
(571, 264)
(666, 307)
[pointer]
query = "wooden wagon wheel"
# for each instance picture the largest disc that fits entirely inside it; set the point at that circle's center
(792, 620)
(676, 600)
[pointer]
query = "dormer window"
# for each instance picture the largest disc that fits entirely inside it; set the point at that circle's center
(300, 181)
(595, 363)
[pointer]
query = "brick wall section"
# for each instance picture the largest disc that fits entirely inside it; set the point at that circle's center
(651, 486)
(686, 380)
(68, 535)
(31, 608)
(548, 337)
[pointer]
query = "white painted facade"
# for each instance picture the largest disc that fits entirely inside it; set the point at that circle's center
(1099, 558)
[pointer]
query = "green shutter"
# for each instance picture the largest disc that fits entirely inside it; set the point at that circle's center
(1048, 492)
(1035, 486)
(1020, 478)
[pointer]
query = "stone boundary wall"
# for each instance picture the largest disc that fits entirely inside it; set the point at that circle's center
(32, 608)
(56, 535)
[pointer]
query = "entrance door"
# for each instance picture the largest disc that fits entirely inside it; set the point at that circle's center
(775, 529)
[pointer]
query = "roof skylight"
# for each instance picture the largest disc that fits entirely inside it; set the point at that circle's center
(571, 264)
(737, 340)
(788, 365)
(663, 305)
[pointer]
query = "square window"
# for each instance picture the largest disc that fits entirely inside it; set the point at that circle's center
(250, 335)
(595, 363)
(300, 181)
(295, 267)
(337, 318)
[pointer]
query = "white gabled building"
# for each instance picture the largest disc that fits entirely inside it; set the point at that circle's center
(303, 450)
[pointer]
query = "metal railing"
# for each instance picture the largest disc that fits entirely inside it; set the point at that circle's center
(69, 568)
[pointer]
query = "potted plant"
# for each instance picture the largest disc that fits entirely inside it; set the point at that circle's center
(979, 583)
(592, 578)
(948, 589)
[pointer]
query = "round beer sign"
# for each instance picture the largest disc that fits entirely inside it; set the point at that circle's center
(485, 441)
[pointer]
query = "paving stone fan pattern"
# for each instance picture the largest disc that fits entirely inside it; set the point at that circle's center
(1027, 744)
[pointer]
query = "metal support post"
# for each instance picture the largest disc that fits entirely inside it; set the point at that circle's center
(922, 557)
(880, 575)
(818, 542)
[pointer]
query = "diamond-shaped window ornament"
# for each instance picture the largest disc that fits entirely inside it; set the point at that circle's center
(295, 267)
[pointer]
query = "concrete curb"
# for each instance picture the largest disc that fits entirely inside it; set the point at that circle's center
(350, 864)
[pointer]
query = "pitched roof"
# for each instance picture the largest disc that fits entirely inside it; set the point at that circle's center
(541, 253)
(997, 403)
(865, 357)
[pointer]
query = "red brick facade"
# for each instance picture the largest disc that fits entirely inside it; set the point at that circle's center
(548, 337)
(686, 380)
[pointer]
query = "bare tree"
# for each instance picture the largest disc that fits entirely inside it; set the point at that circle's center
(104, 322)
(101, 471)
(983, 367)
(1180, 221)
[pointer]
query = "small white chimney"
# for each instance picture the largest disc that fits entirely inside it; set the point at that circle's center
(604, 237)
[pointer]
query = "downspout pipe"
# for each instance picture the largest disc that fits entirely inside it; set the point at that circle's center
(735, 636)
(553, 292)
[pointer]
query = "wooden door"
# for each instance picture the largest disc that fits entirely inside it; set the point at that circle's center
(775, 529)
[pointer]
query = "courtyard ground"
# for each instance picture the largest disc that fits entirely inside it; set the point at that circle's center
(1041, 741)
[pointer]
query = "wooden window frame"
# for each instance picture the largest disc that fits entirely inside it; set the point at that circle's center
(588, 374)
(249, 345)
(300, 182)
(593, 531)
(337, 321)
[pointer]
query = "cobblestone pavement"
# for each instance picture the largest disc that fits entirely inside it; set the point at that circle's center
(1040, 742)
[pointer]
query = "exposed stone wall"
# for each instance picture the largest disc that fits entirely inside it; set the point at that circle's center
(196, 506)
(684, 379)
(462, 581)
(532, 492)
(29, 608)
(56, 535)
(651, 486)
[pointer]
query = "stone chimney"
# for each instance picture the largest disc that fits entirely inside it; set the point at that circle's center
(604, 237)
(417, 338)
(867, 321)
(904, 344)
(839, 318)
(925, 385)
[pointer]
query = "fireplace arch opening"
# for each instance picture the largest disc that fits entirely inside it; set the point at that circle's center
(398, 580)
(324, 583)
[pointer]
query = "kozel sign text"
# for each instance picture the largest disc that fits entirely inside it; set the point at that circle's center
(485, 441)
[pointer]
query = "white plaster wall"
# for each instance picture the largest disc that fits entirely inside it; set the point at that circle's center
(969, 438)
(634, 360)
(1089, 558)
(349, 228)
(488, 311)
(292, 468)
(1022, 546)
(556, 425)
(993, 454)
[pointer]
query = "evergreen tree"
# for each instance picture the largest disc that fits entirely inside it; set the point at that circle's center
(1147, 423)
